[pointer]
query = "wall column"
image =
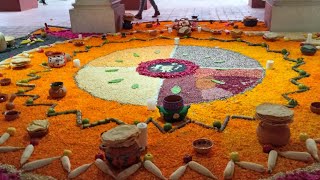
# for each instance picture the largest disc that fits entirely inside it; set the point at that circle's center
(96, 16)
(293, 15)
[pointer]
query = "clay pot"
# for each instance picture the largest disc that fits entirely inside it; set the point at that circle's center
(57, 90)
(315, 107)
(11, 115)
(3, 97)
(274, 134)
(5, 82)
(10, 105)
(122, 157)
(173, 103)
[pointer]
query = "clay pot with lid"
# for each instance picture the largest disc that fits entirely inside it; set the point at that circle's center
(57, 90)
(273, 128)
(121, 147)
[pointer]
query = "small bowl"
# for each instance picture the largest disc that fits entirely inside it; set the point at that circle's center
(202, 145)
(5, 82)
(315, 107)
(11, 115)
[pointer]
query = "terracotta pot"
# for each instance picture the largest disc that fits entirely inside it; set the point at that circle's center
(122, 157)
(315, 107)
(173, 103)
(11, 115)
(57, 90)
(38, 134)
(3, 97)
(276, 135)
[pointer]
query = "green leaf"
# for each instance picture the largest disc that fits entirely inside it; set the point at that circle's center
(185, 54)
(115, 81)
(119, 60)
(207, 57)
(157, 51)
(176, 90)
(222, 61)
(135, 86)
(111, 70)
(136, 55)
(218, 82)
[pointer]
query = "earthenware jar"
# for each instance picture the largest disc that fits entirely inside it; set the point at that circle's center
(173, 102)
(57, 90)
(273, 128)
(121, 146)
(11, 115)
(5, 82)
(173, 116)
(56, 59)
(10, 104)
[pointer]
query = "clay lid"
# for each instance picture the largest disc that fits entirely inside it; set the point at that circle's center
(274, 113)
(121, 136)
(38, 125)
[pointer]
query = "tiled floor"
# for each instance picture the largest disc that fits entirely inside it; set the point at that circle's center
(57, 13)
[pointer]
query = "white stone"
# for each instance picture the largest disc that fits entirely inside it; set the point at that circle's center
(96, 16)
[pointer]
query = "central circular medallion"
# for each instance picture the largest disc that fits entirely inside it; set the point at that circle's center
(167, 68)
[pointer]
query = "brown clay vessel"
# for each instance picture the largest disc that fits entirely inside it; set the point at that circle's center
(3, 97)
(57, 90)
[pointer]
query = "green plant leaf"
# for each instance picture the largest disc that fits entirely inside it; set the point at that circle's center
(185, 54)
(119, 60)
(111, 70)
(222, 61)
(136, 55)
(157, 51)
(207, 57)
(217, 81)
(115, 81)
(135, 86)
(176, 90)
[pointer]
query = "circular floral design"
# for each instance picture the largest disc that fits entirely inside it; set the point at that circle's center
(167, 68)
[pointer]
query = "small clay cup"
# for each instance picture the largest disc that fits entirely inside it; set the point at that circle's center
(315, 107)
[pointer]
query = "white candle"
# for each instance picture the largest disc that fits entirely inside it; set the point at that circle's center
(151, 104)
(143, 137)
(169, 30)
(199, 29)
(80, 36)
(76, 63)
(176, 41)
(309, 38)
(269, 64)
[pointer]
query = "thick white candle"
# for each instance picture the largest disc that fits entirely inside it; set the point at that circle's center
(143, 137)
(176, 41)
(169, 30)
(269, 64)
(151, 104)
(76, 63)
(80, 36)
(309, 38)
(199, 29)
